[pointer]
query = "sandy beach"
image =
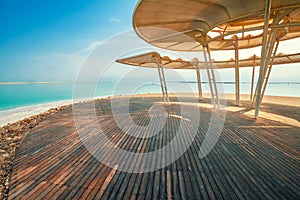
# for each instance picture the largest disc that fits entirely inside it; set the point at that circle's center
(13, 115)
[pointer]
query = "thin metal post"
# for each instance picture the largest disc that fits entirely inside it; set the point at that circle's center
(164, 81)
(208, 74)
(196, 64)
(161, 82)
(272, 51)
(269, 49)
(213, 77)
(269, 71)
(263, 53)
(237, 73)
(252, 80)
(199, 84)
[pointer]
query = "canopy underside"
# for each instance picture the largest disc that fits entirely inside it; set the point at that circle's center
(187, 25)
(147, 60)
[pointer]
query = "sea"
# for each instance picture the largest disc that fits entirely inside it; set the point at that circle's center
(18, 100)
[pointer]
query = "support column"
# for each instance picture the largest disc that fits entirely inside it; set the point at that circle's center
(211, 78)
(196, 64)
(156, 59)
(263, 55)
(269, 71)
(237, 73)
(252, 80)
(161, 82)
(164, 81)
(275, 36)
(208, 74)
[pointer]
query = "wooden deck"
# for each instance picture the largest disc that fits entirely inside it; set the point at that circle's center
(251, 160)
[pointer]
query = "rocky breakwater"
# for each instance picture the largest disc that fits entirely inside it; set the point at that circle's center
(11, 136)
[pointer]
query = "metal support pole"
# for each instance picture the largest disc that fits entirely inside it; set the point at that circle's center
(268, 53)
(275, 36)
(269, 71)
(199, 84)
(213, 78)
(263, 54)
(164, 81)
(237, 73)
(161, 82)
(252, 80)
(208, 74)
(195, 62)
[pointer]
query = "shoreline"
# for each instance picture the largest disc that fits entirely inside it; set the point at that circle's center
(13, 115)
(19, 113)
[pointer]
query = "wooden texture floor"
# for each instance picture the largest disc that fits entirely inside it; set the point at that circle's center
(251, 160)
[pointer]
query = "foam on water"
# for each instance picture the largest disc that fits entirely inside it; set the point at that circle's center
(12, 115)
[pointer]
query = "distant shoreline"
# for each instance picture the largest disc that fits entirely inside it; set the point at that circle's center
(203, 82)
(19, 113)
(24, 83)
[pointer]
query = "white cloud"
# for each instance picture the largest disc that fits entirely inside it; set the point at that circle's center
(93, 45)
(114, 19)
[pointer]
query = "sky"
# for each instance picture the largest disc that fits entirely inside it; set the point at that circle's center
(39, 38)
(50, 40)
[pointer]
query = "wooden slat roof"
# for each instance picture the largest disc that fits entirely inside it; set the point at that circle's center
(147, 60)
(184, 25)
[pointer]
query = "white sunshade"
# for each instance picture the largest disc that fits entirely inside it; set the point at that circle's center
(147, 60)
(183, 25)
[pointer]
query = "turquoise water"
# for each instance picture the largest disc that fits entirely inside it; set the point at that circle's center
(17, 95)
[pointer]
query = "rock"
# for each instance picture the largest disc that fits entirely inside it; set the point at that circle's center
(27, 120)
(7, 183)
(1, 159)
(12, 145)
(2, 173)
(5, 156)
(15, 128)
(17, 138)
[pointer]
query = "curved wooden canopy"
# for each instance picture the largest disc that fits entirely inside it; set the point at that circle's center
(187, 25)
(150, 60)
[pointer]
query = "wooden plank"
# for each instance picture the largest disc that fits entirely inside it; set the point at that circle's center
(106, 182)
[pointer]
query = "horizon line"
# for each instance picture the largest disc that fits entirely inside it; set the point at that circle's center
(73, 82)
